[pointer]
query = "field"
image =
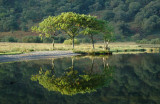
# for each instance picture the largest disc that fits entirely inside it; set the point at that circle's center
(15, 48)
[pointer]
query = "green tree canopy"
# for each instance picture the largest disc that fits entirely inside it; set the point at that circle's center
(46, 28)
(71, 24)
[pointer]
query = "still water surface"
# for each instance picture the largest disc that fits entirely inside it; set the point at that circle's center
(116, 79)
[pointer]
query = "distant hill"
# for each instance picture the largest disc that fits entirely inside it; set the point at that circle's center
(131, 19)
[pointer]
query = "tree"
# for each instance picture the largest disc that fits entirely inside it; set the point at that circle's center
(94, 26)
(73, 24)
(108, 15)
(68, 23)
(46, 28)
(133, 8)
(95, 7)
(107, 35)
(151, 24)
(90, 32)
(99, 27)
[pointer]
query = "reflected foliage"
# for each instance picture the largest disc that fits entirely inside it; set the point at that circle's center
(72, 82)
(136, 80)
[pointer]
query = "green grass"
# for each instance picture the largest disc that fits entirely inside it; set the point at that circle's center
(93, 52)
(17, 48)
(10, 53)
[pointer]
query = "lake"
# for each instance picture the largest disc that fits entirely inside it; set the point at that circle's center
(116, 79)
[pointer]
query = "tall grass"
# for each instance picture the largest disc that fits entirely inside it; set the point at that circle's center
(29, 47)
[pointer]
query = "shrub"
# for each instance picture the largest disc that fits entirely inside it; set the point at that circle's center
(9, 39)
(69, 42)
(47, 40)
(56, 39)
(152, 41)
(155, 41)
(86, 40)
(31, 39)
(59, 39)
(143, 41)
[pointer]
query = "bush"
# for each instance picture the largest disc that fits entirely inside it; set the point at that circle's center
(86, 40)
(152, 41)
(155, 41)
(31, 39)
(47, 40)
(143, 41)
(9, 39)
(69, 42)
(56, 40)
(59, 39)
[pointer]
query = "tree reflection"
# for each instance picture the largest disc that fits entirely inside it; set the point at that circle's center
(72, 81)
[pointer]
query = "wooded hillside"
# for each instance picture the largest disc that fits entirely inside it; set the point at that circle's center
(131, 19)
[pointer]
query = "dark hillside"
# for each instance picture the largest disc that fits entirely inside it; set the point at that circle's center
(132, 19)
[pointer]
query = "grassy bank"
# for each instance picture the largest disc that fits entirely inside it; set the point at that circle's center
(16, 48)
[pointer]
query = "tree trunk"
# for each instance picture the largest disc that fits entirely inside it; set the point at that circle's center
(73, 42)
(53, 44)
(106, 45)
(92, 66)
(53, 71)
(92, 41)
(52, 63)
(73, 64)
(104, 62)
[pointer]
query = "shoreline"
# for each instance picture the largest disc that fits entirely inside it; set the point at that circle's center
(36, 56)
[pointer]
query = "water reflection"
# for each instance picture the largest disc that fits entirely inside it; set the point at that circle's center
(135, 80)
(72, 81)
